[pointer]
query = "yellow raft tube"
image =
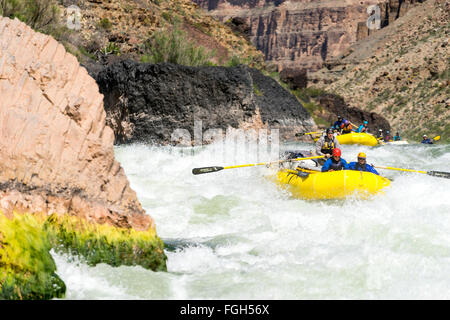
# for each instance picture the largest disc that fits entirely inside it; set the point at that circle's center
(331, 185)
(357, 138)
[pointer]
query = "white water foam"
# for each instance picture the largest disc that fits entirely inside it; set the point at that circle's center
(237, 236)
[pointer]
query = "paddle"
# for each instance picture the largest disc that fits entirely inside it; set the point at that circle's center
(216, 168)
(439, 174)
(299, 134)
(437, 138)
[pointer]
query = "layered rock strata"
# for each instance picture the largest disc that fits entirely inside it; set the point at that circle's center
(149, 102)
(56, 153)
(304, 33)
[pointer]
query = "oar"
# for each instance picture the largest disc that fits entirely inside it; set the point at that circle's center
(299, 134)
(437, 138)
(439, 174)
(216, 168)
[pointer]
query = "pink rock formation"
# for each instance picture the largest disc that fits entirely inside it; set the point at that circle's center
(56, 153)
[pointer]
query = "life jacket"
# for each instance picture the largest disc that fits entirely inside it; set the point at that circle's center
(387, 138)
(336, 165)
(328, 146)
(360, 167)
(346, 128)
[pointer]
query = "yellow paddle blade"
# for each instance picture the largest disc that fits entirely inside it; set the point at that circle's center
(437, 138)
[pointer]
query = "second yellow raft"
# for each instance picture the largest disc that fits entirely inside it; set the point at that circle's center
(357, 138)
(332, 185)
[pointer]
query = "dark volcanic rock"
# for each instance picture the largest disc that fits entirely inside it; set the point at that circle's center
(148, 102)
(336, 105)
(296, 78)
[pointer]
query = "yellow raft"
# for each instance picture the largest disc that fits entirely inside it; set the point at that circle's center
(357, 138)
(331, 185)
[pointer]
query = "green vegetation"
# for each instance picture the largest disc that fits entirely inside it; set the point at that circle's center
(27, 270)
(105, 24)
(104, 243)
(256, 90)
(40, 15)
(111, 48)
(174, 46)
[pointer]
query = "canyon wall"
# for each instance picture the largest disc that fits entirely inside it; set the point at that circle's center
(304, 33)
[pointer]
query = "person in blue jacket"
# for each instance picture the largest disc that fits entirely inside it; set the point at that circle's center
(397, 137)
(335, 163)
(338, 123)
(426, 140)
(361, 164)
(363, 127)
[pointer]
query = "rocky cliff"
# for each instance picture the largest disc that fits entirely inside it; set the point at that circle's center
(148, 102)
(57, 157)
(305, 33)
(110, 30)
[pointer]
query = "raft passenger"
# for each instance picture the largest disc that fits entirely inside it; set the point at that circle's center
(335, 163)
(363, 127)
(337, 125)
(325, 145)
(346, 127)
(361, 164)
(426, 140)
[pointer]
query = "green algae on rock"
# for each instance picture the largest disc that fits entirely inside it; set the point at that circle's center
(103, 243)
(27, 269)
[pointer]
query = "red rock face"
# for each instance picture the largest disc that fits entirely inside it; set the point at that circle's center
(56, 153)
(304, 33)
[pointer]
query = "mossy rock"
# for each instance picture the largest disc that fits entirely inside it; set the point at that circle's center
(103, 243)
(27, 269)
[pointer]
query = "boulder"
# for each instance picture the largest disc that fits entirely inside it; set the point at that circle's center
(148, 102)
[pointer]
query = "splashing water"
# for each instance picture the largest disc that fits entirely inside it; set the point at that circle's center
(234, 235)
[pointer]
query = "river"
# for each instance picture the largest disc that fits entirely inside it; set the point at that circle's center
(234, 235)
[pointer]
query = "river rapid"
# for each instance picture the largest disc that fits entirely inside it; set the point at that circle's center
(234, 235)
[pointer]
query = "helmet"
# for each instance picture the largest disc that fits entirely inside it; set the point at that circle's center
(336, 152)
(346, 121)
(339, 117)
(387, 131)
(361, 155)
(424, 135)
(380, 130)
(329, 130)
(365, 122)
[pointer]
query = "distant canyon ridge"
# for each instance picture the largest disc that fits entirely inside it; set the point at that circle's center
(303, 34)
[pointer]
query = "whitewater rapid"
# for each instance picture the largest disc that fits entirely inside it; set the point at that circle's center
(234, 235)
